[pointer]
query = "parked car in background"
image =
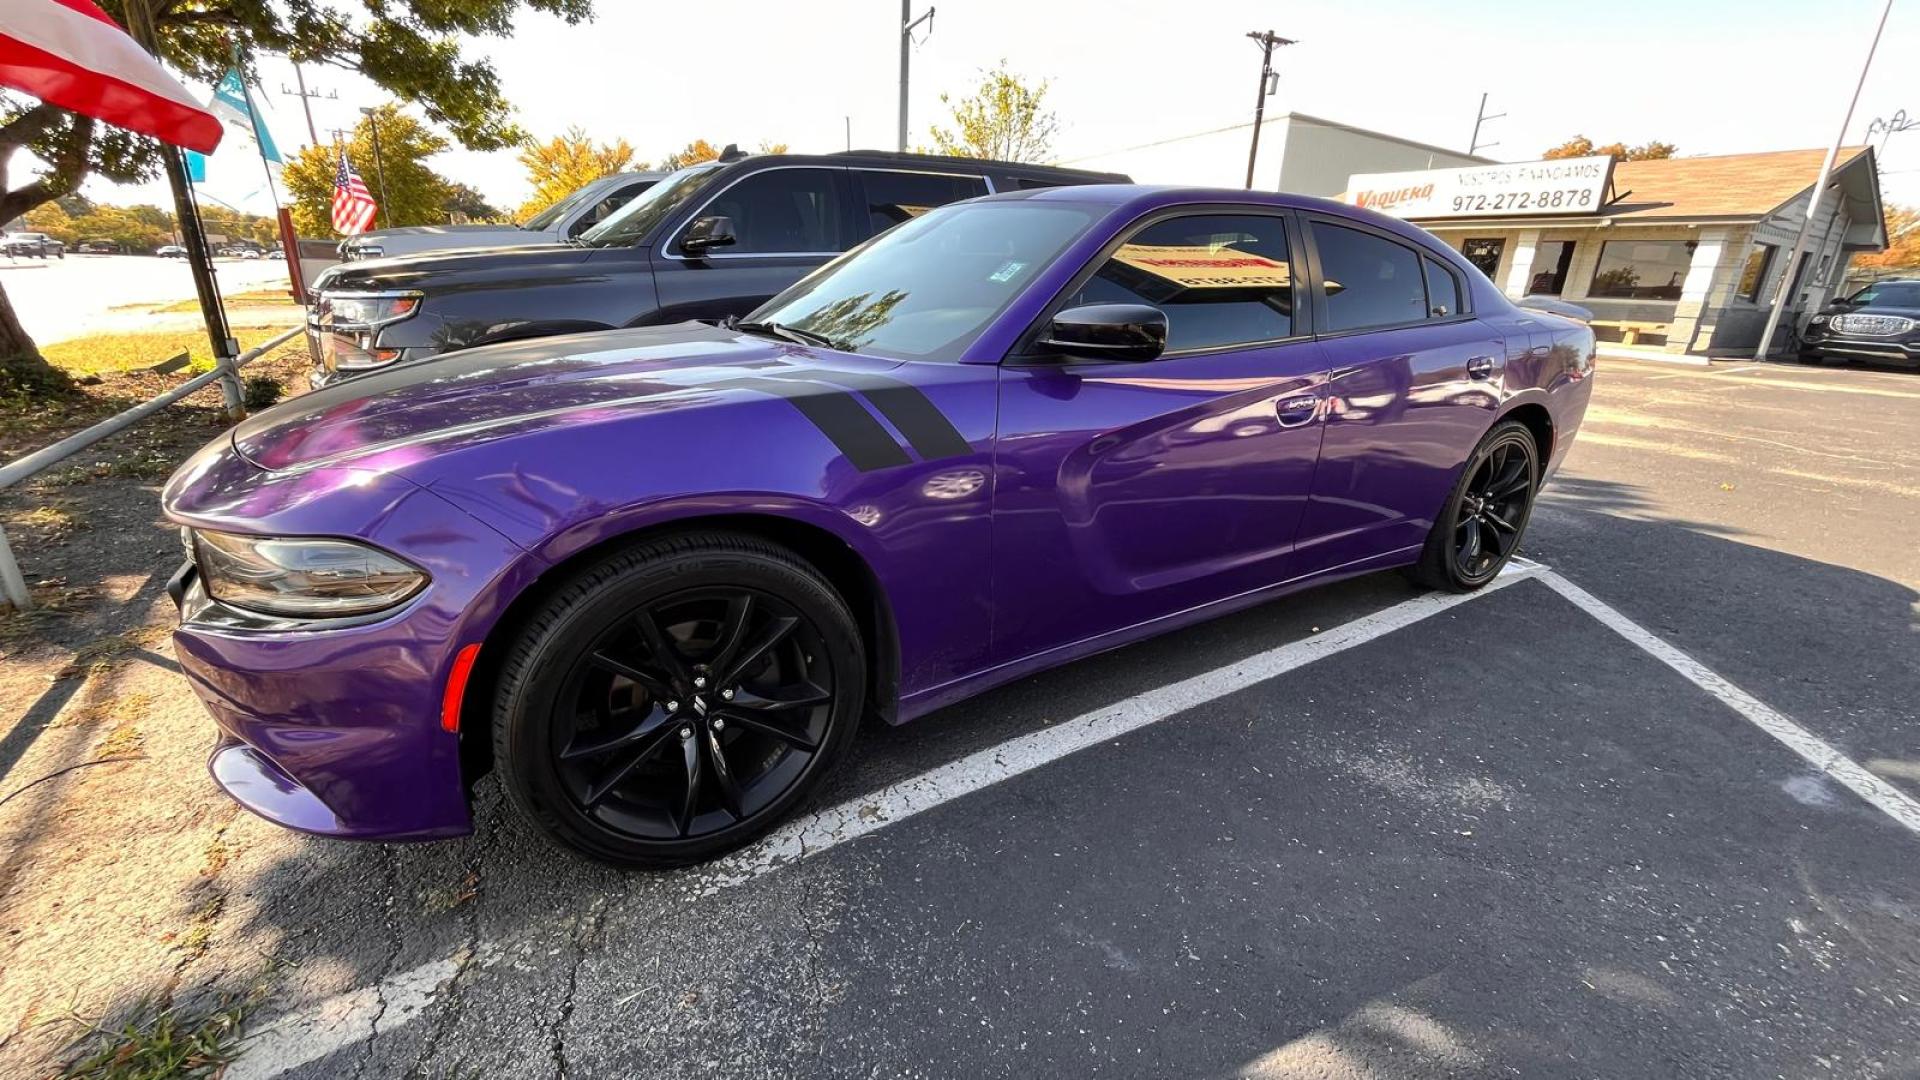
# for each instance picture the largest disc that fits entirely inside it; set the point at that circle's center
(37, 245)
(171, 251)
(654, 579)
(558, 223)
(98, 247)
(710, 241)
(1880, 322)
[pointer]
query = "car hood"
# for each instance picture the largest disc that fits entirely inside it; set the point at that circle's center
(1890, 310)
(458, 264)
(393, 419)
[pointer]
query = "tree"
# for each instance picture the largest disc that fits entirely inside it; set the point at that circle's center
(1004, 119)
(566, 163)
(465, 201)
(409, 47)
(1903, 242)
(1581, 146)
(410, 193)
(693, 153)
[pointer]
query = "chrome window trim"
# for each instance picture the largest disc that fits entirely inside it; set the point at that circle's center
(673, 240)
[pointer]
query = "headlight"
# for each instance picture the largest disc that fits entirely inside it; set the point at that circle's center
(366, 251)
(301, 577)
(366, 310)
(1818, 320)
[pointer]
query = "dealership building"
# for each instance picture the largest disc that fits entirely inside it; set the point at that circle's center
(1682, 254)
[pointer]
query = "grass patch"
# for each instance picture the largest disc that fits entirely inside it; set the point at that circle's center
(158, 1042)
(253, 298)
(124, 741)
(100, 354)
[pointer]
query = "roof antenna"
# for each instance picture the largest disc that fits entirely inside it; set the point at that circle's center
(732, 153)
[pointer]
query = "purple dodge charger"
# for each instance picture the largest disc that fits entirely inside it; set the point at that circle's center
(655, 577)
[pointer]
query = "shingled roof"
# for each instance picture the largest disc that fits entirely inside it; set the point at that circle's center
(1730, 186)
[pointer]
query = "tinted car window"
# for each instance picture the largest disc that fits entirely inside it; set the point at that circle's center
(644, 212)
(927, 289)
(1222, 279)
(1443, 290)
(604, 209)
(1902, 294)
(1369, 281)
(781, 210)
(894, 197)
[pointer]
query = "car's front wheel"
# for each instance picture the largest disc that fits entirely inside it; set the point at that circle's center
(677, 699)
(1480, 526)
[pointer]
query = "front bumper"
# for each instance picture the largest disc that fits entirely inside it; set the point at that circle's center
(1865, 348)
(331, 733)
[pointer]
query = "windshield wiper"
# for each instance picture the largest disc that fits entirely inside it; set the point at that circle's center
(791, 333)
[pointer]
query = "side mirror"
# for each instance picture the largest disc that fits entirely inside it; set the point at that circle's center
(708, 232)
(1134, 332)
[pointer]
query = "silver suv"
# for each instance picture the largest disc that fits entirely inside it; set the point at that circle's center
(558, 223)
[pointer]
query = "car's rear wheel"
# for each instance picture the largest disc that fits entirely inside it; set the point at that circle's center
(678, 699)
(1486, 514)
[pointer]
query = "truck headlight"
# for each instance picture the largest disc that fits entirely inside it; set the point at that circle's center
(301, 577)
(364, 311)
(365, 251)
(1818, 320)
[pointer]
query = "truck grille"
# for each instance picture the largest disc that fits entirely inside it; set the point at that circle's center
(1872, 325)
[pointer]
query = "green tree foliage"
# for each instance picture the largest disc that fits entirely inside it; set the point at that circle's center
(1004, 118)
(411, 48)
(414, 193)
(1581, 146)
(464, 201)
(566, 163)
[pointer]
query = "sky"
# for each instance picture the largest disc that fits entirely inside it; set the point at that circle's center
(1711, 76)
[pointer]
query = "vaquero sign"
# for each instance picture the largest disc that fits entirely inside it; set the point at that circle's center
(1562, 186)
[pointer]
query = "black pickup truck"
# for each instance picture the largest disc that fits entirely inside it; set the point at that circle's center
(709, 241)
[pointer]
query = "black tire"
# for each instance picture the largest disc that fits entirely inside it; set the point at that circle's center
(585, 743)
(1810, 358)
(1493, 496)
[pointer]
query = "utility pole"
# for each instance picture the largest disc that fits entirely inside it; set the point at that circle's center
(1269, 82)
(1481, 117)
(306, 101)
(1789, 279)
(379, 166)
(907, 23)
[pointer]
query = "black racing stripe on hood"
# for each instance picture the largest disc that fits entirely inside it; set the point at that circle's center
(905, 406)
(859, 437)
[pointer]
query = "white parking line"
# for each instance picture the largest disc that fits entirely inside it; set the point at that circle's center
(340, 1021)
(1890, 800)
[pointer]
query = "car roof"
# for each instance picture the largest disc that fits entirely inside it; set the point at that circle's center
(901, 158)
(1144, 198)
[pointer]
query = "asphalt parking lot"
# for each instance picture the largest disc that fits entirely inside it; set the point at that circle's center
(1646, 809)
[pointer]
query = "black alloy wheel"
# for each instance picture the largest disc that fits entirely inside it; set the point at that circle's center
(1480, 527)
(676, 701)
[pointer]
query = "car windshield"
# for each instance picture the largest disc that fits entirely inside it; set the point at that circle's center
(546, 219)
(632, 222)
(1900, 294)
(927, 288)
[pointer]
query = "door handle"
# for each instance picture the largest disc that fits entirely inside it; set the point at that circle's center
(1295, 411)
(1479, 367)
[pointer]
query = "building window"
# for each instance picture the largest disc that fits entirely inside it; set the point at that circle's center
(1484, 254)
(1753, 276)
(1550, 263)
(1642, 269)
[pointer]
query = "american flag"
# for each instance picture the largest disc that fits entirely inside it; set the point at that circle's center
(353, 204)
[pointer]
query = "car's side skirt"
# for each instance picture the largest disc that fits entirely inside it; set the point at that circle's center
(933, 698)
